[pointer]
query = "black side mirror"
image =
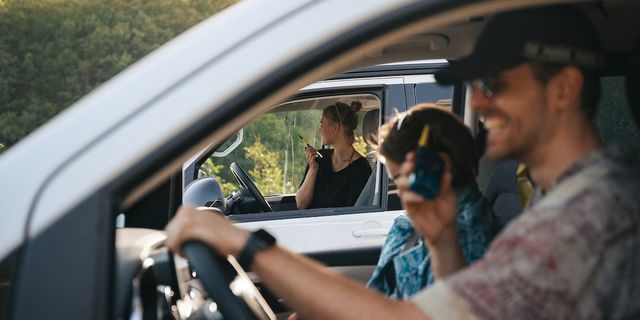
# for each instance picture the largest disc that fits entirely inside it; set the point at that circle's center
(205, 192)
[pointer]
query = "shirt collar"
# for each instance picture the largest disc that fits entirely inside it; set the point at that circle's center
(599, 156)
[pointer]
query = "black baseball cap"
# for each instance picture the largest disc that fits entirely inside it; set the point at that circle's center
(560, 34)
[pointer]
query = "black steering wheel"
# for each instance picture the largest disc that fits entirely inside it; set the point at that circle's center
(218, 276)
(245, 182)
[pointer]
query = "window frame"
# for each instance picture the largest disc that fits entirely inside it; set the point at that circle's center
(384, 94)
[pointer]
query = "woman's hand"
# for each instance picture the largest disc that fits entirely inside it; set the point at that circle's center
(434, 219)
(212, 229)
(311, 154)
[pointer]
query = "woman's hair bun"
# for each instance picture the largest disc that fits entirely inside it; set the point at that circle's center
(356, 106)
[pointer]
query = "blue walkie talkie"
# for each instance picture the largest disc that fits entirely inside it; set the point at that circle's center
(429, 169)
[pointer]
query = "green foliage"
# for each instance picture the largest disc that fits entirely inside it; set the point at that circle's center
(54, 52)
(274, 135)
(267, 173)
(272, 153)
(361, 146)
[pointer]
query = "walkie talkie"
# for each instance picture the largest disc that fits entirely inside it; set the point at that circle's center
(427, 176)
(318, 154)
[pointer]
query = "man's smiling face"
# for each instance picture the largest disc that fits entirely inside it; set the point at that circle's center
(515, 115)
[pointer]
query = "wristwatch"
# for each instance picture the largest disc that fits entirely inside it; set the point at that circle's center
(258, 241)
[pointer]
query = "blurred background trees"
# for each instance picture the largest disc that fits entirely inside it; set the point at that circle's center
(54, 52)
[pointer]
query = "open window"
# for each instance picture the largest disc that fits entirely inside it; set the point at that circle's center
(271, 153)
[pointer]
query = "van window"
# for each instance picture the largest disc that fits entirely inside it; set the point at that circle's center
(272, 152)
(434, 93)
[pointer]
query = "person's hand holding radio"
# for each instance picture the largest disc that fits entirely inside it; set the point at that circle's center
(311, 154)
(426, 192)
(434, 219)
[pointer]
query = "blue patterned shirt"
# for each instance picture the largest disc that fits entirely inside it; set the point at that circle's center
(403, 270)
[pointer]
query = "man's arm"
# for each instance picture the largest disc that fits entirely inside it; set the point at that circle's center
(315, 293)
(306, 286)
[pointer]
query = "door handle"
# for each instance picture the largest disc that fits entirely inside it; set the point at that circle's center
(370, 232)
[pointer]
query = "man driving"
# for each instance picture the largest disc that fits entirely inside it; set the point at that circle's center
(572, 254)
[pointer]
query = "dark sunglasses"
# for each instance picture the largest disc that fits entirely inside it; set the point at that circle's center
(490, 86)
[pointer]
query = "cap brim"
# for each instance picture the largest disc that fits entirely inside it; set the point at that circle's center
(474, 67)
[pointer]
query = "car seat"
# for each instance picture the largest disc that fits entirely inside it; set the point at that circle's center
(633, 81)
(501, 189)
(370, 123)
(498, 182)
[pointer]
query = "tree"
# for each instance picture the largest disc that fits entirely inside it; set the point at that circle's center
(267, 172)
(53, 52)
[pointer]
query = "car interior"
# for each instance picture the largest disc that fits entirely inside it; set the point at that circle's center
(152, 282)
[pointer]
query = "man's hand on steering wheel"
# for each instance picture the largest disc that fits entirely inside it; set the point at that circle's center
(211, 229)
(194, 232)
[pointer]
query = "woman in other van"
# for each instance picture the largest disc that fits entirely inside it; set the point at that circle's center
(334, 177)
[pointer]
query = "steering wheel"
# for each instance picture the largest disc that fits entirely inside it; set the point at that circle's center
(221, 278)
(246, 183)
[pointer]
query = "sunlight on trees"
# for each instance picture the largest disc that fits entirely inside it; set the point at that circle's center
(267, 173)
(53, 52)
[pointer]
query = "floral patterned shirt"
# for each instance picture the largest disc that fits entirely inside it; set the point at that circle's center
(574, 254)
(404, 268)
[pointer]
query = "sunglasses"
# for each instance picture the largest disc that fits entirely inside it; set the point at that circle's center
(489, 86)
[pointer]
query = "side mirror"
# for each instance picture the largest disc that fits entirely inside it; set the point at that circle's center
(205, 192)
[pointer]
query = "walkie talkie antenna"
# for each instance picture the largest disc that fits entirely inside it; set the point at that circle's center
(309, 146)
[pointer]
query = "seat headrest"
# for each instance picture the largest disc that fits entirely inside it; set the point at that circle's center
(370, 124)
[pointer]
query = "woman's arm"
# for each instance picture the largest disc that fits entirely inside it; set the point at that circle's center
(304, 196)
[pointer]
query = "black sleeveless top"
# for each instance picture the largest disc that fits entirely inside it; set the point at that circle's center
(341, 188)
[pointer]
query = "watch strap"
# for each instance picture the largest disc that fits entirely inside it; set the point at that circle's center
(258, 241)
